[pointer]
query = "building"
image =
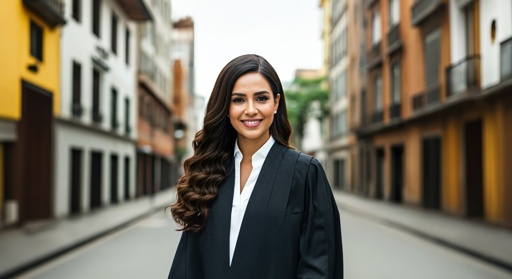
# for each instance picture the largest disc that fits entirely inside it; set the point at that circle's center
(29, 100)
(338, 142)
(186, 116)
(95, 131)
(156, 161)
(437, 114)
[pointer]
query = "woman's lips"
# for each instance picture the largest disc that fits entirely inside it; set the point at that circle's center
(251, 123)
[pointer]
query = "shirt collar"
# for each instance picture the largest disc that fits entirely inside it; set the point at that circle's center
(261, 153)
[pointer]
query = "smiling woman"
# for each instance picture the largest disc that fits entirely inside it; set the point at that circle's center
(249, 205)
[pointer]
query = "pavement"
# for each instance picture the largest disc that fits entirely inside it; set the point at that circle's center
(484, 241)
(26, 247)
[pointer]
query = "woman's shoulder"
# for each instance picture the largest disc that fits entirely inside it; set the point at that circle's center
(303, 160)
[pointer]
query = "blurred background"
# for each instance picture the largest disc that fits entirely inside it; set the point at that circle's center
(407, 104)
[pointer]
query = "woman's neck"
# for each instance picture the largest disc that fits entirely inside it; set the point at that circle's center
(248, 147)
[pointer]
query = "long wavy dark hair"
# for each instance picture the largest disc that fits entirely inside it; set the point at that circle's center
(214, 144)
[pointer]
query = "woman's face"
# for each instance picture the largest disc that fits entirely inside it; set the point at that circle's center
(252, 107)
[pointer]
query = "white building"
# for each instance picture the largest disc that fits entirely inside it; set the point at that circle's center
(95, 132)
(338, 144)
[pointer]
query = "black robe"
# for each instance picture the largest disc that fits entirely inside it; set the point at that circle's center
(291, 227)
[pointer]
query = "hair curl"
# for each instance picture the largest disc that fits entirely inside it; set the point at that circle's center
(213, 145)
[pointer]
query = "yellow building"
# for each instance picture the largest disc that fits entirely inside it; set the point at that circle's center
(29, 94)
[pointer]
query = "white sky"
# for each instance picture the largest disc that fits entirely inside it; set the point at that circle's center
(286, 32)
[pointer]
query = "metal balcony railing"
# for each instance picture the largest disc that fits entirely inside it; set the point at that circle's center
(433, 95)
(375, 55)
(394, 110)
(394, 41)
(463, 75)
(50, 11)
(418, 101)
(506, 59)
(422, 9)
(378, 116)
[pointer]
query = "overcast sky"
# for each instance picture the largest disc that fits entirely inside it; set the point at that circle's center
(286, 32)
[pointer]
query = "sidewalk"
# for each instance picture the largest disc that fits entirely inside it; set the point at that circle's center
(25, 247)
(484, 241)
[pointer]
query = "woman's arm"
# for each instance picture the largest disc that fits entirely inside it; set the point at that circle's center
(321, 254)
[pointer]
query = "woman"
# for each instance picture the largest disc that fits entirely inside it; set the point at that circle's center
(248, 204)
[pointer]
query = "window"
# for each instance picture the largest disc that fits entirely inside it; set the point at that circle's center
(113, 33)
(377, 88)
(394, 13)
(96, 87)
(96, 10)
(376, 36)
(432, 58)
(127, 46)
(127, 116)
(36, 41)
(76, 11)
(77, 89)
(113, 109)
(395, 83)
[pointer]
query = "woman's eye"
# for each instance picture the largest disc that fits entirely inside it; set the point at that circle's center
(262, 98)
(238, 100)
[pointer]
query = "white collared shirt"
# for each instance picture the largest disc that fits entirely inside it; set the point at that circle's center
(240, 200)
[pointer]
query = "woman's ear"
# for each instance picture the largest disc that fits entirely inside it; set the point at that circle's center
(276, 101)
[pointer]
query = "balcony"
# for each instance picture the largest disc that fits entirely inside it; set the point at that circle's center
(394, 41)
(50, 11)
(395, 110)
(433, 95)
(462, 76)
(77, 110)
(418, 101)
(506, 59)
(375, 56)
(377, 116)
(135, 9)
(422, 9)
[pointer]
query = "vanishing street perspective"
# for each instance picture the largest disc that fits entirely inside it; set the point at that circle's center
(408, 109)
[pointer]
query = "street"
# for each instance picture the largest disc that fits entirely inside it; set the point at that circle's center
(372, 250)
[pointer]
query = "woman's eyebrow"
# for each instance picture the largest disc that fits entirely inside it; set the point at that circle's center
(256, 93)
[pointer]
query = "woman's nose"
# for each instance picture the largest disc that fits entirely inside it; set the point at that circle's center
(250, 108)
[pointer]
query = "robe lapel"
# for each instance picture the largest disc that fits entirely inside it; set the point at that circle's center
(216, 235)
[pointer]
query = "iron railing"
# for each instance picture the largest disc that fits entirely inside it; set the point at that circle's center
(463, 75)
(394, 41)
(378, 116)
(51, 11)
(394, 110)
(418, 101)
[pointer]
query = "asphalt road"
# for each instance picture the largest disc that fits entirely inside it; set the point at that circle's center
(372, 250)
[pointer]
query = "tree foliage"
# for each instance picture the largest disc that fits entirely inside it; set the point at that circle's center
(306, 98)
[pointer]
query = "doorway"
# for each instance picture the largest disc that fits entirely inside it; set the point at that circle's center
(35, 139)
(432, 172)
(397, 172)
(96, 178)
(473, 168)
(75, 181)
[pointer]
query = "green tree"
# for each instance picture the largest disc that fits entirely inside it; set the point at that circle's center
(306, 98)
